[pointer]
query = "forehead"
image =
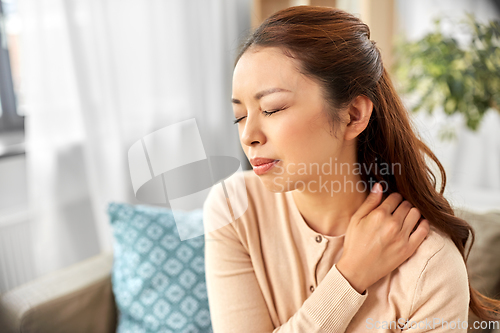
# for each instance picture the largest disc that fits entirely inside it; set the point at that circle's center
(263, 67)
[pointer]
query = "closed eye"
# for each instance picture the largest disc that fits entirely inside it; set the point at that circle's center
(266, 113)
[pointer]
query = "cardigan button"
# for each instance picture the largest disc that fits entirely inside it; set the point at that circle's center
(319, 238)
(311, 288)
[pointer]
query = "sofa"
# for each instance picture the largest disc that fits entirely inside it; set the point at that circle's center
(80, 298)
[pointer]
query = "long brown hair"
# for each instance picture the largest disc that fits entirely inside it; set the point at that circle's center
(334, 48)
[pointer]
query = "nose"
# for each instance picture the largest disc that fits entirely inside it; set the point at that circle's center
(252, 133)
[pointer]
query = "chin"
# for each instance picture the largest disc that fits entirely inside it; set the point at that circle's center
(279, 183)
(273, 183)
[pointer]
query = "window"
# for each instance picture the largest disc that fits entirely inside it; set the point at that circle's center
(10, 119)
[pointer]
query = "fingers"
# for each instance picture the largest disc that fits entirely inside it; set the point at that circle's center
(401, 212)
(392, 201)
(417, 237)
(410, 221)
(371, 202)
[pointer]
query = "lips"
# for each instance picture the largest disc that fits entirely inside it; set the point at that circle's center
(261, 169)
(261, 160)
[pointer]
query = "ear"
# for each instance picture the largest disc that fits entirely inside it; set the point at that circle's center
(359, 112)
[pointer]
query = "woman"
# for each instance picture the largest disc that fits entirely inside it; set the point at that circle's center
(318, 249)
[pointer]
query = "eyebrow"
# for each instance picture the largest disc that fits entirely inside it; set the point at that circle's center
(262, 93)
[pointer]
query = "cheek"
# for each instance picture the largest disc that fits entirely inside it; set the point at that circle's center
(290, 140)
(307, 139)
(240, 130)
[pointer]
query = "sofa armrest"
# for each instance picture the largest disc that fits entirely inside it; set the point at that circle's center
(78, 298)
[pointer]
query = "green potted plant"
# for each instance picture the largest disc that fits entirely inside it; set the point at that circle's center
(460, 76)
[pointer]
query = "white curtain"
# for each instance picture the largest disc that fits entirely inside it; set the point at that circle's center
(471, 160)
(99, 75)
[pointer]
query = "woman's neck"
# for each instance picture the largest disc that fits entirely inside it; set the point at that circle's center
(329, 213)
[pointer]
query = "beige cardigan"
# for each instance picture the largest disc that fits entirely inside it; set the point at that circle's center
(268, 271)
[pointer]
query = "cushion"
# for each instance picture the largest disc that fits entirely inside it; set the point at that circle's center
(483, 265)
(158, 280)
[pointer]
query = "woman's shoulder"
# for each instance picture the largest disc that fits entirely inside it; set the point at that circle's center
(235, 201)
(241, 189)
(436, 272)
(436, 250)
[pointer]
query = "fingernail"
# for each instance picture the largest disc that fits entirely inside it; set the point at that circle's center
(376, 188)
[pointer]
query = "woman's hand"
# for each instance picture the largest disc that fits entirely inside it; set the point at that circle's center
(379, 239)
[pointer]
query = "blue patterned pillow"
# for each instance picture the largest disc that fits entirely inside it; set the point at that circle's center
(158, 280)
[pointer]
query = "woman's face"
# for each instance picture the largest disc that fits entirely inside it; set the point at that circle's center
(298, 135)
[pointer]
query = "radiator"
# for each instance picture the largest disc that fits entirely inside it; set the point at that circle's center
(16, 251)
